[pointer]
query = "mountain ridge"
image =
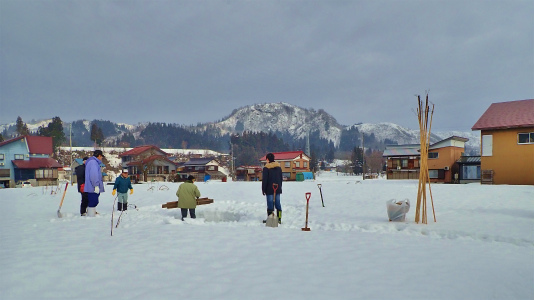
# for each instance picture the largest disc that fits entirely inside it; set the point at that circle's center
(281, 117)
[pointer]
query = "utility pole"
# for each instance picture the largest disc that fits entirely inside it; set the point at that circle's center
(363, 158)
(70, 143)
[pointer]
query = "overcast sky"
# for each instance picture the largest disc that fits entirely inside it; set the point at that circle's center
(195, 61)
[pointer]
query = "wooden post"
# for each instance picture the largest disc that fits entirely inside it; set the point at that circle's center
(424, 176)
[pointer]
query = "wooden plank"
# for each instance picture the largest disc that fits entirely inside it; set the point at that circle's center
(174, 204)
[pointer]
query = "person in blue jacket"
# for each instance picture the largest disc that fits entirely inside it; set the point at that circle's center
(122, 185)
(94, 183)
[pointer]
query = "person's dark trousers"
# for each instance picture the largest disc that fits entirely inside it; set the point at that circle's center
(191, 212)
(122, 206)
(85, 202)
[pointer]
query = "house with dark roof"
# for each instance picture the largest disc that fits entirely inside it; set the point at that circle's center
(28, 158)
(403, 161)
(147, 163)
(202, 168)
(291, 162)
(507, 143)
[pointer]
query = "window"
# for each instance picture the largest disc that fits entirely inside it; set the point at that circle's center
(297, 164)
(471, 172)
(46, 173)
(305, 164)
(287, 164)
(436, 174)
(1, 156)
(19, 156)
(487, 145)
(525, 138)
(405, 163)
(211, 168)
(433, 155)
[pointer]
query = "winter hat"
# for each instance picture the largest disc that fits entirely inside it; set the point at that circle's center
(270, 157)
(85, 158)
(124, 170)
(190, 177)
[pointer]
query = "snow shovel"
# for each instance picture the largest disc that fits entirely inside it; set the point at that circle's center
(321, 191)
(308, 196)
(272, 220)
(59, 215)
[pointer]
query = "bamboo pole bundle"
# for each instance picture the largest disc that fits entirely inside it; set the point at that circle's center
(424, 176)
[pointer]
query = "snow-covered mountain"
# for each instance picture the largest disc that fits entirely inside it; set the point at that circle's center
(401, 135)
(287, 119)
(281, 117)
(297, 121)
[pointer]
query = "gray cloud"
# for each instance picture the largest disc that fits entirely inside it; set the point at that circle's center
(195, 61)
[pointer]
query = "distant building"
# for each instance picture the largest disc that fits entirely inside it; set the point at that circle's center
(27, 158)
(507, 143)
(248, 173)
(403, 161)
(203, 168)
(148, 163)
(291, 162)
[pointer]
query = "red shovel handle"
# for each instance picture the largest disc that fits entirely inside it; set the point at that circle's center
(275, 187)
(308, 196)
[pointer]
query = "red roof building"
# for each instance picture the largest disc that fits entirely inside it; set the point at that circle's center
(513, 114)
(147, 163)
(291, 162)
(28, 158)
(507, 143)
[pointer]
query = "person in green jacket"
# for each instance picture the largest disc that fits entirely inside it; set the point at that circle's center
(187, 197)
(122, 185)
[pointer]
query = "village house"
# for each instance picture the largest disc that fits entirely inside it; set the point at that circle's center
(203, 169)
(248, 173)
(403, 161)
(507, 143)
(442, 157)
(147, 163)
(27, 158)
(291, 162)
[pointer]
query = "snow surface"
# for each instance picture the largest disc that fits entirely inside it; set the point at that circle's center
(481, 247)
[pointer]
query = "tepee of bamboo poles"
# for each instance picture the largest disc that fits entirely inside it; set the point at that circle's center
(424, 127)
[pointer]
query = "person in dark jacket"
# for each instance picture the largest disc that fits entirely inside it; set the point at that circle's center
(272, 173)
(80, 178)
(122, 185)
(187, 197)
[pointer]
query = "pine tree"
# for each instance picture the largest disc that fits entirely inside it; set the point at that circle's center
(22, 128)
(55, 131)
(97, 136)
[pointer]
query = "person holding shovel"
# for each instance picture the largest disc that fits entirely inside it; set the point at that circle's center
(187, 197)
(272, 174)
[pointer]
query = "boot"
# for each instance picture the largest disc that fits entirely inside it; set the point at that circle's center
(91, 211)
(269, 212)
(125, 206)
(279, 216)
(119, 206)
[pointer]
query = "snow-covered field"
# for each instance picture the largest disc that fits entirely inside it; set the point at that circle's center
(482, 246)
